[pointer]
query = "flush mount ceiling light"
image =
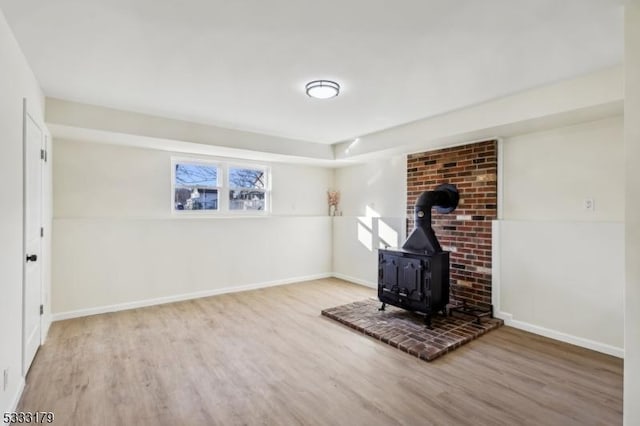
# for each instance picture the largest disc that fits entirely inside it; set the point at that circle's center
(322, 89)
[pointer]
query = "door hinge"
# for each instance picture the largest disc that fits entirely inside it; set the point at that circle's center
(41, 232)
(43, 155)
(41, 309)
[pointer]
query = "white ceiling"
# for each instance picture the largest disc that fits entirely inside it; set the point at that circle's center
(243, 64)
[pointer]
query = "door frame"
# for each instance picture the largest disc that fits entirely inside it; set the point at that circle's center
(45, 252)
(27, 116)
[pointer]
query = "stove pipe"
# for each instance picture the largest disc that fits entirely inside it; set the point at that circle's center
(422, 239)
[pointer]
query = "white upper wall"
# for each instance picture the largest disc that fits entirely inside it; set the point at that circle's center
(379, 184)
(373, 199)
(300, 190)
(548, 175)
(17, 82)
(100, 180)
(96, 180)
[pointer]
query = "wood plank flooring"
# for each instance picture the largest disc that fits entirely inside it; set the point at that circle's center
(267, 357)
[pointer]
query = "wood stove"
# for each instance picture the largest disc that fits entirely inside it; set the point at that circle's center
(416, 277)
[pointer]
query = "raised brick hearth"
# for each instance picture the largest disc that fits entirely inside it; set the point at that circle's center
(466, 232)
(406, 330)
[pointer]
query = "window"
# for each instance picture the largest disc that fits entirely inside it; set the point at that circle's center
(196, 186)
(199, 186)
(246, 189)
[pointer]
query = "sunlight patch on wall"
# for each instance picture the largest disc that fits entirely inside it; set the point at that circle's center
(370, 212)
(388, 236)
(365, 236)
(372, 231)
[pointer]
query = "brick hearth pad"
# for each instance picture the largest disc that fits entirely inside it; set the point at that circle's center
(406, 330)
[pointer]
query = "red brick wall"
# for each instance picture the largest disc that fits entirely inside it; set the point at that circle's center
(466, 232)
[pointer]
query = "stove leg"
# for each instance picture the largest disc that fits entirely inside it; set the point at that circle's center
(381, 308)
(427, 321)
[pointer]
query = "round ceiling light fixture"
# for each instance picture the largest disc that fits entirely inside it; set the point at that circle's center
(322, 89)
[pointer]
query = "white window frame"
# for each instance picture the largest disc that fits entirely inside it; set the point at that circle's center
(267, 188)
(219, 187)
(223, 187)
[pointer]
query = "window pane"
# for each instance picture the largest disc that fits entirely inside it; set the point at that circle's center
(196, 199)
(246, 199)
(196, 175)
(246, 178)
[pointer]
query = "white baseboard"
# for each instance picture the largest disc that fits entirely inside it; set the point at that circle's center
(181, 297)
(558, 335)
(355, 280)
(503, 316)
(17, 396)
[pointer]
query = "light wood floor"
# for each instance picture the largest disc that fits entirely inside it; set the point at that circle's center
(267, 357)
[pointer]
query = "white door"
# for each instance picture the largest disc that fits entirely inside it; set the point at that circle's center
(32, 288)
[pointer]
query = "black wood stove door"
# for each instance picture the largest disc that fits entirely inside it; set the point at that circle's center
(388, 273)
(402, 277)
(412, 271)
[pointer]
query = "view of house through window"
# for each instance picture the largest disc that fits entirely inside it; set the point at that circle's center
(246, 189)
(196, 187)
(199, 186)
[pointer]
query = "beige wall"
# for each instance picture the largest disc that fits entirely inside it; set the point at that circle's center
(551, 254)
(117, 242)
(101, 180)
(17, 82)
(373, 200)
(548, 175)
(562, 279)
(632, 226)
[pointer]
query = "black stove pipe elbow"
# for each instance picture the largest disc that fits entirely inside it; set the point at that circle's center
(445, 199)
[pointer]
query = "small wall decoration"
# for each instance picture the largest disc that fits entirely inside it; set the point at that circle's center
(334, 199)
